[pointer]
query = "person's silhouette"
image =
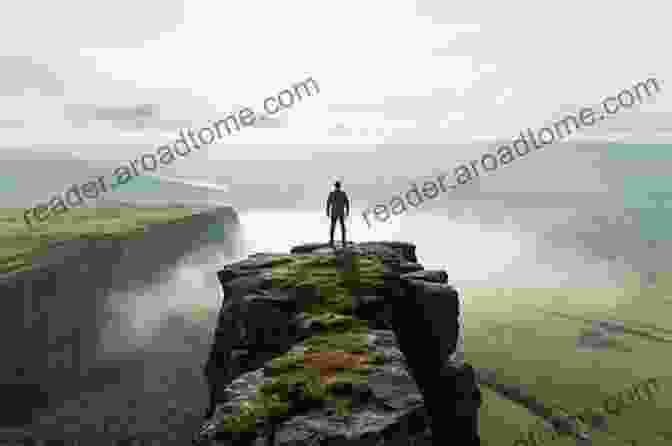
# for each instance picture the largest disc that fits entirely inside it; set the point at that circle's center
(338, 208)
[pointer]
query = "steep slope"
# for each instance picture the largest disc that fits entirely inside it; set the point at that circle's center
(56, 311)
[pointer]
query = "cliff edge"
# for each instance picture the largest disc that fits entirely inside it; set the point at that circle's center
(356, 345)
(56, 308)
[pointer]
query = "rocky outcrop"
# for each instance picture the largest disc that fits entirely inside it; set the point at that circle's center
(349, 346)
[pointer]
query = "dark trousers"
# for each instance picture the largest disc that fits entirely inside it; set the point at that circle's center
(341, 219)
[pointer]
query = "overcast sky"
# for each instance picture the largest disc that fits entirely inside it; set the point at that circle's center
(422, 71)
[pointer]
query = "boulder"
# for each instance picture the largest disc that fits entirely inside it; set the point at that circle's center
(409, 267)
(249, 282)
(438, 276)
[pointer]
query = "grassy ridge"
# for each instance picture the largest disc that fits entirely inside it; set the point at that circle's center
(19, 243)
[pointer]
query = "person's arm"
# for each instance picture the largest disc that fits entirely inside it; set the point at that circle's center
(329, 200)
(347, 204)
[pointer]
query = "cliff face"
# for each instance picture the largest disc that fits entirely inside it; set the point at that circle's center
(352, 346)
(51, 316)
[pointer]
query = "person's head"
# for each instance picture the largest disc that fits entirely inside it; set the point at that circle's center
(337, 185)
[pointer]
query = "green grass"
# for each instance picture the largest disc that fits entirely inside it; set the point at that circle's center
(19, 244)
(275, 400)
(336, 285)
(340, 333)
(340, 323)
(505, 331)
(501, 421)
(348, 342)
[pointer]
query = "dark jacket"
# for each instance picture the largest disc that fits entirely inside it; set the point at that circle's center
(338, 203)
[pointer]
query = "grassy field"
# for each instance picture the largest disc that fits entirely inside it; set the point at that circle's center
(529, 336)
(19, 243)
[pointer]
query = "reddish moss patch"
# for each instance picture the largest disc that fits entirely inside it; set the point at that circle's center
(330, 363)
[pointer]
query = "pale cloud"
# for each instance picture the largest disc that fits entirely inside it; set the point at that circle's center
(501, 99)
(388, 71)
(21, 74)
(37, 26)
(198, 183)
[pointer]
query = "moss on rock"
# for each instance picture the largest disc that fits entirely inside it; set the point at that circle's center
(351, 342)
(334, 281)
(308, 380)
(336, 323)
(336, 358)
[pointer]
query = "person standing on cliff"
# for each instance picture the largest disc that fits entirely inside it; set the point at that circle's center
(338, 208)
